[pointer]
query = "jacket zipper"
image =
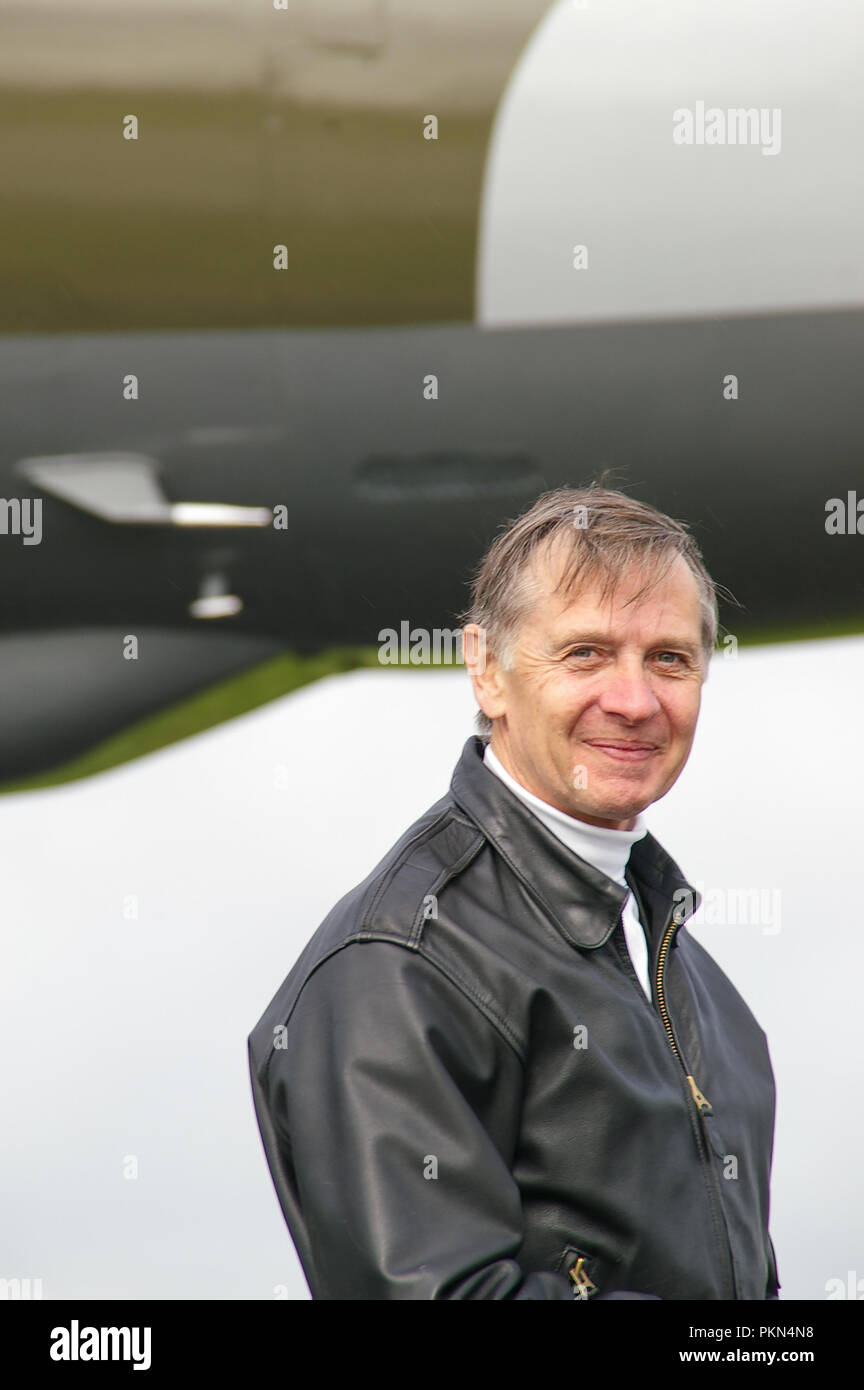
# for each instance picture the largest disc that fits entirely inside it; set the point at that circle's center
(583, 1286)
(703, 1106)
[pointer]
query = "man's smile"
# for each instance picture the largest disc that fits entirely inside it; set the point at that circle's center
(623, 750)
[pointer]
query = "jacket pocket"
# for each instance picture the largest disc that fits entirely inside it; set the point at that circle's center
(589, 1274)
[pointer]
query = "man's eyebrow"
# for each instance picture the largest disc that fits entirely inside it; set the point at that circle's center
(579, 638)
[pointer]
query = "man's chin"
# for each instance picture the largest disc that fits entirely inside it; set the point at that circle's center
(625, 807)
(623, 792)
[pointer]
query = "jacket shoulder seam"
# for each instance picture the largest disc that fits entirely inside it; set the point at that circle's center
(366, 928)
(381, 884)
(458, 982)
(465, 987)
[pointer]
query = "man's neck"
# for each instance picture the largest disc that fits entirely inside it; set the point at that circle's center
(607, 849)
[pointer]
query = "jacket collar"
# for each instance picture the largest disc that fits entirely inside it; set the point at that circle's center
(584, 904)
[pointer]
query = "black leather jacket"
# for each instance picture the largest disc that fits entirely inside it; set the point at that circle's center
(464, 1093)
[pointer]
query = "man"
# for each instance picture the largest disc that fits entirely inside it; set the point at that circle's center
(500, 1068)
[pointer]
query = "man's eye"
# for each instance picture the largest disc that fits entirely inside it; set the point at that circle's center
(665, 658)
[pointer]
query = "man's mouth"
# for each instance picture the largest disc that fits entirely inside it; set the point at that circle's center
(623, 749)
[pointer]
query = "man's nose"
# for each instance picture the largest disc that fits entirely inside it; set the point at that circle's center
(629, 694)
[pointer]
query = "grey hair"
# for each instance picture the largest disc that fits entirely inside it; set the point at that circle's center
(605, 534)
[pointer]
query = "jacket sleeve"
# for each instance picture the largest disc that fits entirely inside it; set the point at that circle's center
(389, 1117)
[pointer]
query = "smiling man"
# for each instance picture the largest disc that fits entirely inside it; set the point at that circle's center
(597, 714)
(501, 1069)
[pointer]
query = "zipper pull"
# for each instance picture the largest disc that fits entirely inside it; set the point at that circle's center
(584, 1286)
(703, 1104)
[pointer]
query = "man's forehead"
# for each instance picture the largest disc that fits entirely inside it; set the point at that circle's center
(668, 584)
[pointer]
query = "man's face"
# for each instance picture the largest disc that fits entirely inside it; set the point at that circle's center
(598, 714)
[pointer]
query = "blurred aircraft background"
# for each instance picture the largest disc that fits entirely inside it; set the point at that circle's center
(146, 266)
(427, 362)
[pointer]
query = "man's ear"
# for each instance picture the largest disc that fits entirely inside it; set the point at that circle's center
(484, 671)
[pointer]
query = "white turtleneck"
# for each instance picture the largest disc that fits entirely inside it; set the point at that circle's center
(607, 850)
